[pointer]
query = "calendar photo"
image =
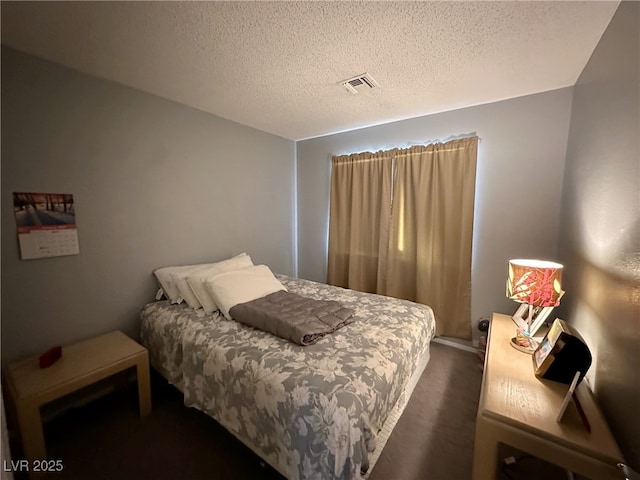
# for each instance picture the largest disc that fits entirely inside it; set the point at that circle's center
(46, 224)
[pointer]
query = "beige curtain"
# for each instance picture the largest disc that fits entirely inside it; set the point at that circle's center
(359, 219)
(429, 248)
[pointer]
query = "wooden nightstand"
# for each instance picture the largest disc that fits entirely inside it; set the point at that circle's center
(520, 410)
(81, 364)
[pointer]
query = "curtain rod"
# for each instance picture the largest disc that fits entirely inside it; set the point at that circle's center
(448, 139)
(398, 150)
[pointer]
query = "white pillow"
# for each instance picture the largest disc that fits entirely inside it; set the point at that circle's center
(239, 286)
(195, 278)
(180, 280)
(164, 275)
(169, 282)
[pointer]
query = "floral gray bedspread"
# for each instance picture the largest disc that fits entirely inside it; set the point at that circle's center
(312, 412)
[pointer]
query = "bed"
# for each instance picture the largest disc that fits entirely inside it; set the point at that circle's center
(321, 411)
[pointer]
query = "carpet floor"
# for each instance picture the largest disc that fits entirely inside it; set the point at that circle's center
(106, 439)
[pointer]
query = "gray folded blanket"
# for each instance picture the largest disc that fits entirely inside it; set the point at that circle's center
(293, 317)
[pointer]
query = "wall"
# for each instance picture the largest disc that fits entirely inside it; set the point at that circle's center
(155, 183)
(599, 239)
(518, 188)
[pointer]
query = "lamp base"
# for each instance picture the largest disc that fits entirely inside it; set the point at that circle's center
(524, 344)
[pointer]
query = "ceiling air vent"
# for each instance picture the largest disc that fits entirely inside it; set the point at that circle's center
(361, 81)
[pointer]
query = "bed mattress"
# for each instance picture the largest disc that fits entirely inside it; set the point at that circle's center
(311, 412)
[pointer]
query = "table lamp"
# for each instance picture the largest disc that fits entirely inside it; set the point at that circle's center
(536, 283)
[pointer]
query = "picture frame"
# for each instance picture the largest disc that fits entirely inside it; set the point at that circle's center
(540, 315)
(568, 397)
(561, 353)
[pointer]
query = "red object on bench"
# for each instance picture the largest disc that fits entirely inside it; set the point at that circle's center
(50, 357)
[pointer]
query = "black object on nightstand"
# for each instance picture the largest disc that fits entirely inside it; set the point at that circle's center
(483, 326)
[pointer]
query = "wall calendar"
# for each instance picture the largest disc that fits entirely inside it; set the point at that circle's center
(46, 224)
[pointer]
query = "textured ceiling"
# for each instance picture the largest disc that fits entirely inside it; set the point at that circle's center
(276, 66)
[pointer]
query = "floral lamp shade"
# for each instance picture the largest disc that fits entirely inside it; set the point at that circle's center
(535, 282)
